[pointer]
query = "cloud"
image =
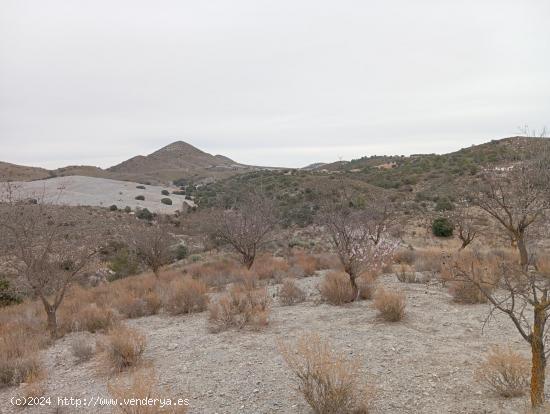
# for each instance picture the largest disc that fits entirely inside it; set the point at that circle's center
(271, 82)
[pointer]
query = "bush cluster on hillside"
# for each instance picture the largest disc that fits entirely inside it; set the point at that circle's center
(442, 227)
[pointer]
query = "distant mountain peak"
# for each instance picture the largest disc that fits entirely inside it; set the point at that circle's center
(179, 155)
(179, 146)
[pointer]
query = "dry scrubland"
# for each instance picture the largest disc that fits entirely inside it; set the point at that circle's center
(367, 308)
(228, 339)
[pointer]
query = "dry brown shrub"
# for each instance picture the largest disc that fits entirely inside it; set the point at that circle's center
(142, 386)
(482, 269)
(329, 381)
(247, 279)
(367, 282)
(390, 305)
(124, 347)
(82, 349)
(185, 295)
(132, 306)
(466, 292)
(290, 293)
(505, 372)
(406, 273)
(217, 273)
(305, 262)
(240, 307)
(429, 260)
(336, 288)
(328, 261)
(89, 317)
(32, 387)
(136, 296)
(404, 256)
(270, 267)
(506, 255)
(18, 353)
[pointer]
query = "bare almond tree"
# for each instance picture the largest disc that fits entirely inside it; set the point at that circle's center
(246, 227)
(516, 197)
(522, 295)
(466, 223)
(379, 217)
(360, 243)
(46, 247)
(153, 244)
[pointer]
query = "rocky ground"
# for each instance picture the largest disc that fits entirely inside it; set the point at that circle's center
(424, 364)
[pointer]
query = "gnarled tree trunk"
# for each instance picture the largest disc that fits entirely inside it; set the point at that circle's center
(522, 248)
(51, 313)
(538, 358)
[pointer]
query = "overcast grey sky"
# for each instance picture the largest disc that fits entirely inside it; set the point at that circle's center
(267, 82)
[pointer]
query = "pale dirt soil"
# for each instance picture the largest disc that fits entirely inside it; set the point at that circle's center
(103, 192)
(424, 364)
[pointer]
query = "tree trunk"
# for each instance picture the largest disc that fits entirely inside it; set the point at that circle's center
(52, 321)
(538, 359)
(248, 260)
(465, 242)
(354, 286)
(523, 255)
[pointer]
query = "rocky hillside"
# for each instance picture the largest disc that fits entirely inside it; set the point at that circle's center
(178, 161)
(13, 172)
(177, 156)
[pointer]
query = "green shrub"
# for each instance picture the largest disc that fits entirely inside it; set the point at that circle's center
(181, 252)
(442, 227)
(113, 207)
(7, 296)
(165, 192)
(144, 214)
(179, 192)
(140, 197)
(127, 209)
(141, 187)
(123, 264)
(166, 201)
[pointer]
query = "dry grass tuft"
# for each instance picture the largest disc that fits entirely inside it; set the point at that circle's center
(305, 262)
(124, 347)
(482, 269)
(404, 256)
(505, 372)
(136, 296)
(329, 261)
(217, 273)
(18, 353)
(406, 273)
(32, 387)
(240, 307)
(82, 349)
(367, 283)
(328, 380)
(90, 317)
(336, 288)
(290, 293)
(142, 386)
(186, 295)
(429, 260)
(390, 305)
(270, 267)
